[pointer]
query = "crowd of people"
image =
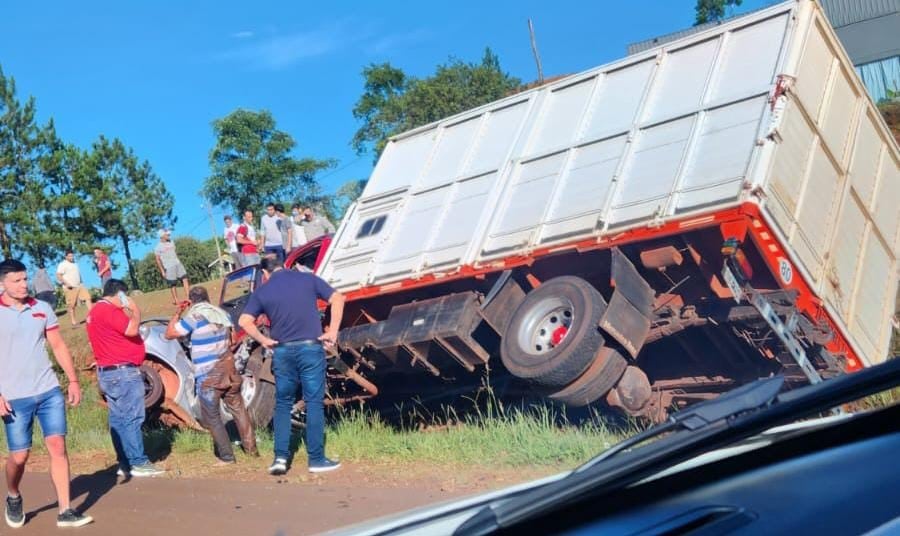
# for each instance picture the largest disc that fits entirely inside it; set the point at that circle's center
(30, 389)
(277, 233)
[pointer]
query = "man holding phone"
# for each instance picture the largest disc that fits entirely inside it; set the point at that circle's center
(113, 331)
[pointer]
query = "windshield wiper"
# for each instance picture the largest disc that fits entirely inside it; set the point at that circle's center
(751, 397)
(739, 414)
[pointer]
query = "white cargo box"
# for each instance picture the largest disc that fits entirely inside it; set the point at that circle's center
(683, 129)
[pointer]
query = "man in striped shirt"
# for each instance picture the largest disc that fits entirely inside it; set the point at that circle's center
(215, 377)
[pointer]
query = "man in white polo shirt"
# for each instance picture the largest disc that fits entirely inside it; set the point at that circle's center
(29, 390)
(69, 276)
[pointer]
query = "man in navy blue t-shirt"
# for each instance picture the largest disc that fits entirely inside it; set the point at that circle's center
(288, 299)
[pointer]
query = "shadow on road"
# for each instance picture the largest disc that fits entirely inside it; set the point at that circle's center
(92, 486)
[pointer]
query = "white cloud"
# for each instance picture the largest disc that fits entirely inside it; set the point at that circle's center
(243, 34)
(399, 40)
(281, 51)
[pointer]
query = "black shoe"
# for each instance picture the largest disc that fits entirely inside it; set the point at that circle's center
(278, 467)
(15, 515)
(71, 518)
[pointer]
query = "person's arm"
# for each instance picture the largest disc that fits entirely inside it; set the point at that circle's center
(329, 226)
(248, 324)
(159, 265)
(247, 321)
(336, 301)
(178, 327)
(64, 358)
(133, 313)
(59, 277)
(290, 234)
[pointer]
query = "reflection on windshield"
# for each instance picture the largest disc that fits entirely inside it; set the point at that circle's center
(238, 284)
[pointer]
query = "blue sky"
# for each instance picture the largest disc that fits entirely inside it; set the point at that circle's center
(156, 74)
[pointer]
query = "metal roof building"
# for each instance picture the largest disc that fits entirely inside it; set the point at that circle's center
(868, 29)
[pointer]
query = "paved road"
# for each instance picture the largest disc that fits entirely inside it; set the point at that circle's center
(208, 507)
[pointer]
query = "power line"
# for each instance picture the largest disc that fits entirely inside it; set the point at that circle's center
(342, 168)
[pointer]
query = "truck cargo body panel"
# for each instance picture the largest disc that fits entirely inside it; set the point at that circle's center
(761, 120)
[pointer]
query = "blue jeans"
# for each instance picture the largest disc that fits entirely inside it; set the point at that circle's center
(50, 410)
(124, 392)
(277, 250)
(295, 366)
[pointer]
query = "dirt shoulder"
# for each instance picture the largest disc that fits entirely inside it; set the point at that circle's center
(196, 497)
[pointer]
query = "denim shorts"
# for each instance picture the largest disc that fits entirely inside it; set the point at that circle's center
(50, 410)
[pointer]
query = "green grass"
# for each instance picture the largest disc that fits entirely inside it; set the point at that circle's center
(536, 436)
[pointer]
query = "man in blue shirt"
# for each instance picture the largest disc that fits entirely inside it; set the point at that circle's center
(288, 299)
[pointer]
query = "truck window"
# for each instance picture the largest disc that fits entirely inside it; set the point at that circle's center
(371, 227)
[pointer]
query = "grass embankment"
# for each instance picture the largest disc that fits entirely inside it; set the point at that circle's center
(531, 437)
(494, 437)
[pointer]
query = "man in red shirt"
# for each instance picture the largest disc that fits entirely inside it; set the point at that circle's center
(104, 268)
(246, 239)
(112, 328)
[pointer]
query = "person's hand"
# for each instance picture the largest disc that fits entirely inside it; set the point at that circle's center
(329, 337)
(268, 343)
(74, 393)
(183, 306)
(5, 408)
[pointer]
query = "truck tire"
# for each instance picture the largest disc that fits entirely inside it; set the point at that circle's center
(259, 397)
(601, 376)
(553, 335)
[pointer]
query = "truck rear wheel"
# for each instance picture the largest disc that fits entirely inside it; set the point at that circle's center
(553, 335)
(601, 376)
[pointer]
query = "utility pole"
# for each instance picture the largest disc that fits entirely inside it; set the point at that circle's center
(534, 50)
(208, 206)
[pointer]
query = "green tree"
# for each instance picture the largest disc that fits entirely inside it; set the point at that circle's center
(394, 102)
(335, 206)
(19, 143)
(50, 206)
(251, 163)
(713, 10)
(123, 199)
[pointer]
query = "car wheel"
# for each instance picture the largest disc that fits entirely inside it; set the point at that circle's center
(259, 398)
(153, 386)
(553, 335)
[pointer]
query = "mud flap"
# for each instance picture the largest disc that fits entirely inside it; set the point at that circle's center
(627, 317)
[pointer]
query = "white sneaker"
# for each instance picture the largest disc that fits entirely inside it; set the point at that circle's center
(278, 467)
(148, 469)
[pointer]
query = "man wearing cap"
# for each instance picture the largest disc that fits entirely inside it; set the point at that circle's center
(169, 266)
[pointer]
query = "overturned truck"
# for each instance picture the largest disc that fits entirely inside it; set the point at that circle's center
(650, 232)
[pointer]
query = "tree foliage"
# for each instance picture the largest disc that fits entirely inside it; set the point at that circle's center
(54, 196)
(713, 10)
(394, 102)
(194, 254)
(123, 199)
(251, 163)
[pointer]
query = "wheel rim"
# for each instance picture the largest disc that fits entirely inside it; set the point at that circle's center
(546, 325)
(248, 390)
